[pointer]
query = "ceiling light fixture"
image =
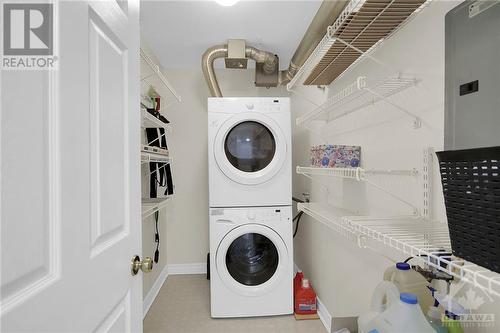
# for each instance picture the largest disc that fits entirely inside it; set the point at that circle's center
(226, 3)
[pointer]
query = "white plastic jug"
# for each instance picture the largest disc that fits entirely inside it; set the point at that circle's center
(410, 281)
(384, 295)
(398, 314)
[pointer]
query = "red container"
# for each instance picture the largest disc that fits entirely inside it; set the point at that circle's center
(297, 282)
(305, 299)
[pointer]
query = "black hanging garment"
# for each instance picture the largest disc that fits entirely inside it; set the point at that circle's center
(160, 173)
(153, 140)
(166, 168)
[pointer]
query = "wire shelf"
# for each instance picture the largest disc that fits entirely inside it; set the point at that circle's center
(360, 174)
(147, 157)
(154, 76)
(358, 95)
(425, 240)
(331, 217)
(152, 205)
(150, 121)
(353, 37)
(353, 173)
(348, 173)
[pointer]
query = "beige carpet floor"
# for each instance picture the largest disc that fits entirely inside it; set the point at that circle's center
(183, 306)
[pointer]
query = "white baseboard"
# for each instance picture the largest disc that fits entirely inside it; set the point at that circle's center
(153, 292)
(195, 268)
(324, 315)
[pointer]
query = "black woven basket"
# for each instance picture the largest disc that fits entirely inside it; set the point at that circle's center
(471, 187)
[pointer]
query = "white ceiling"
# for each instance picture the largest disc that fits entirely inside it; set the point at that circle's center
(180, 31)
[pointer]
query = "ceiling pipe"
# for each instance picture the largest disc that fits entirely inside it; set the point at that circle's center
(207, 66)
(269, 60)
(325, 16)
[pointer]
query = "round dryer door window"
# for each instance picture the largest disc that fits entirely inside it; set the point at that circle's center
(250, 146)
(252, 259)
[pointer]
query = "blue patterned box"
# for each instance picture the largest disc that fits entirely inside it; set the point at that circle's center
(335, 156)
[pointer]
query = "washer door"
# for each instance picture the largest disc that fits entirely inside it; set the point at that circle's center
(250, 148)
(251, 259)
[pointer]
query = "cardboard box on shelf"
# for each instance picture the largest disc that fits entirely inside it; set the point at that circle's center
(335, 156)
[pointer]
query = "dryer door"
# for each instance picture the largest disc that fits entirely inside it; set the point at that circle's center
(251, 259)
(250, 148)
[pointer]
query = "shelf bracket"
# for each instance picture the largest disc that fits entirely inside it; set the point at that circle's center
(417, 123)
(416, 211)
(364, 54)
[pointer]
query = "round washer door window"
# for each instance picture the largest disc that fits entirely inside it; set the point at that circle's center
(252, 259)
(250, 146)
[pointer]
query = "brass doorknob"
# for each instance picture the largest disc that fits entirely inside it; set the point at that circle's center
(146, 265)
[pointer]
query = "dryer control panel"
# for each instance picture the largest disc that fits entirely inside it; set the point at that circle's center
(248, 104)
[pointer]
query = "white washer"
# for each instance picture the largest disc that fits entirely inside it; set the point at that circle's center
(249, 152)
(251, 261)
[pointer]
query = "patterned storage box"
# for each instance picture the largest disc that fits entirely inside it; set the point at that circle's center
(335, 156)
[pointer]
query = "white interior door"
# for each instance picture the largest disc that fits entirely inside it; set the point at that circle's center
(70, 173)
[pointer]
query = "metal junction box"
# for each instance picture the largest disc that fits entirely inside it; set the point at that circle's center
(236, 57)
(472, 75)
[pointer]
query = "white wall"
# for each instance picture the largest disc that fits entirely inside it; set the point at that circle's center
(343, 274)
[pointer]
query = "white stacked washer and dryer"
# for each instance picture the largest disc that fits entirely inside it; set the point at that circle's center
(251, 242)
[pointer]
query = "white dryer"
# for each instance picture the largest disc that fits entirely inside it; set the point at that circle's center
(251, 261)
(249, 152)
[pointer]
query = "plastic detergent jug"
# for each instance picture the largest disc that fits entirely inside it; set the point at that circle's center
(297, 281)
(399, 314)
(385, 294)
(408, 280)
(305, 299)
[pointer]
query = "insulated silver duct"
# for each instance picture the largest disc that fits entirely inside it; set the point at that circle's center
(269, 60)
(325, 16)
(207, 66)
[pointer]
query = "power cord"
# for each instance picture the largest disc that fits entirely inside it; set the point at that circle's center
(157, 239)
(299, 215)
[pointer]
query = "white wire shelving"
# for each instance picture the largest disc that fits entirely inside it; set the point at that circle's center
(427, 241)
(150, 121)
(353, 173)
(360, 174)
(152, 205)
(361, 93)
(151, 73)
(330, 38)
(148, 157)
